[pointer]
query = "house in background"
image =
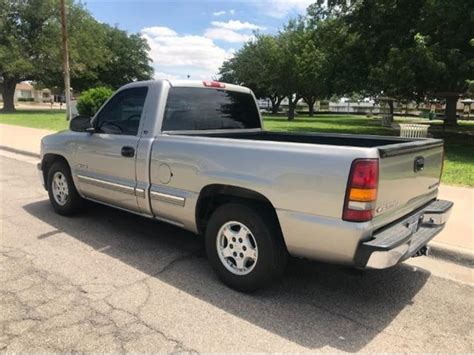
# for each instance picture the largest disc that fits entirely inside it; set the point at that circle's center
(26, 92)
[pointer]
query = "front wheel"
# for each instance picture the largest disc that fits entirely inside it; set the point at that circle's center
(61, 190)
(245, 247)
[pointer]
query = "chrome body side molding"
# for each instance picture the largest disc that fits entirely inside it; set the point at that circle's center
(139, 192)
(112, 186)
(160, 196)
(106, 184)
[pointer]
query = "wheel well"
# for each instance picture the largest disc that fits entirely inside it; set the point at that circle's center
(213, 196)
(48, 160)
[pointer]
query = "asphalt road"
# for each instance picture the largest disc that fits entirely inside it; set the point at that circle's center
(111, 281)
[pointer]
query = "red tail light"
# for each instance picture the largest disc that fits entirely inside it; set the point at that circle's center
(361, 192)
(213, 84)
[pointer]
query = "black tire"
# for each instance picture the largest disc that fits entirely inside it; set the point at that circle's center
(74, 201)
(272, 253)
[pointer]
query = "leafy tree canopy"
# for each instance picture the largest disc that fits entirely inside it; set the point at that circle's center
(405, 49)
(30, 48)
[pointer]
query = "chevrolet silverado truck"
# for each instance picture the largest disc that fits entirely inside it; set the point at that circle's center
(195, 154)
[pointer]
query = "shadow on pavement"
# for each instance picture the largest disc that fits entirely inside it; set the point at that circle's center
(315, 305)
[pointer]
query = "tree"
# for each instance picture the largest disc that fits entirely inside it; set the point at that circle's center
(87, 52)
(309, 65)
(30, 44)
(446, 35)
(310, 62)
(255, 65)
(405, 49)
(102, 55)
(227, 73)
(26, 29)
(290, 41)
(127, 59)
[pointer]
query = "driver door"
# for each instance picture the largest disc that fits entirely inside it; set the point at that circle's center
(105, 160)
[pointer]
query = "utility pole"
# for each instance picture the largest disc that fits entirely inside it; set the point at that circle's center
(67, 80)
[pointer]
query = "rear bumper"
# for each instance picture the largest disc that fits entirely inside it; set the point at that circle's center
(404, 238)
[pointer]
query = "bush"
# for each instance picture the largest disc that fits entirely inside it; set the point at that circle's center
(25, 99)
(91, 100)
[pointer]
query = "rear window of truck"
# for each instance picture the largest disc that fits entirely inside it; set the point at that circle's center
(189, 109)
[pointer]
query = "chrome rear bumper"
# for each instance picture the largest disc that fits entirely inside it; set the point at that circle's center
(404, 238)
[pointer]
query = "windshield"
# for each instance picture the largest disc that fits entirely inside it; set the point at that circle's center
(209, 109)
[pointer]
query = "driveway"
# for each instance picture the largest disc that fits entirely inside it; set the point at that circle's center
(111, 281)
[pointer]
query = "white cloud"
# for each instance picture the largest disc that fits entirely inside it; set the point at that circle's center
(161, 75)
(223, 12)
(282, 8)
(236, 25)
(176, 56)
(226, 35)
(159, 31)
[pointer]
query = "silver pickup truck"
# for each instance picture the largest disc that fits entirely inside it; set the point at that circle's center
(195, 154)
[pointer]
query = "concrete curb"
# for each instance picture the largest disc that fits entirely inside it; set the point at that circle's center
(19, 151)
(458, 255)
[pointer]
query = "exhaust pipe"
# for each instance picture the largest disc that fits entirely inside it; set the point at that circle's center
(425, 250)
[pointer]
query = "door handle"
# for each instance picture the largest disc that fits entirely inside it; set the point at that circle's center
(128, 152)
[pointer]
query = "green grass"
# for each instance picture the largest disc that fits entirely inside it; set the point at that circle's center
(54, 120)
(459, 163)
(327, 124)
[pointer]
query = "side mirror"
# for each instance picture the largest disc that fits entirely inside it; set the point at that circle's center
(81, 124)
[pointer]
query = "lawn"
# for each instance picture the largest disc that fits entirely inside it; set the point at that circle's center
(459, 163)
(54, 120)
(327, 124)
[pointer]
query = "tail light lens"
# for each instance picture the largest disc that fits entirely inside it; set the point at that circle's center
(361, 192)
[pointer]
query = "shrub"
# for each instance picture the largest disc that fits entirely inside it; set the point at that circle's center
(91, 100)
(25, 99)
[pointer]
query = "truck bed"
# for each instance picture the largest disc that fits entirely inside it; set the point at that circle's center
(349, 140)
(401, 188)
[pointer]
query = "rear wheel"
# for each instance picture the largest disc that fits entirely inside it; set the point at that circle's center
(245, 247)
(61, 190)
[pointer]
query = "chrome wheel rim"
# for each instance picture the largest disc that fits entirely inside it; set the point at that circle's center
(60, 188)
(237, 248)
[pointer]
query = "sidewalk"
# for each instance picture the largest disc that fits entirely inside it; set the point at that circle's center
(22, 139)
(456, 241)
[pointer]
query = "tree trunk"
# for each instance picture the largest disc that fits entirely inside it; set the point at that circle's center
(310, 101)
(292, 107)
(392, 110)
(450, 114)
(273, 101)
(291, 111)
(8, 94)
(276, 101)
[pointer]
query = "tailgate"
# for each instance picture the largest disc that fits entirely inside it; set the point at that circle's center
(409, 176)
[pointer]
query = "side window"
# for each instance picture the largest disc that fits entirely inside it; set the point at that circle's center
(122, 113)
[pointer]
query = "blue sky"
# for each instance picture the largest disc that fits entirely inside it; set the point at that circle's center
(191, 37)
